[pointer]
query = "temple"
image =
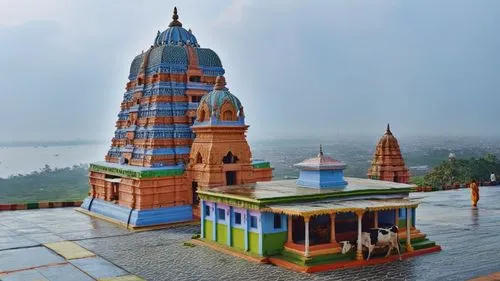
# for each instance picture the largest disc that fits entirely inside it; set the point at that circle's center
(299, 224)
(155, 164)
(388, 163)
(180, 152)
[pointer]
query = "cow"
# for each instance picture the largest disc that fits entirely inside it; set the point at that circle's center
(377, 237)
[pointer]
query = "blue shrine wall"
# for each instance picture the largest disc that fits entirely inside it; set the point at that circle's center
(138, 218)
(322, 179)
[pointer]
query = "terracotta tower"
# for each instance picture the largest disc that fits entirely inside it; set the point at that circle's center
(388, 163)
(144, 179)
(220, 154)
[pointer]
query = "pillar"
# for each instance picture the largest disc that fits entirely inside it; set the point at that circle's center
(214, 228)
(375, 219)
(202, 217)
(396, 217)
(332, 230)
(359, 250)
(306, 246)
(246, 219)
(228, 215)
(290, 237)
(409, 247)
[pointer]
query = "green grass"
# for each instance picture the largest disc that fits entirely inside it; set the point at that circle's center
(68, 184)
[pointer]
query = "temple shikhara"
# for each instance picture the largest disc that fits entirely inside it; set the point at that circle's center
(388, 163)
(179, 129)
(180, 154)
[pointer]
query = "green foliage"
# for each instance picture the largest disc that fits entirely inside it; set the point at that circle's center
(48, 184)
(418, 180)
(462, 171)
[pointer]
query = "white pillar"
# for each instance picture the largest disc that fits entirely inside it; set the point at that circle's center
(409, 247)
(359, 250)
(306, 223)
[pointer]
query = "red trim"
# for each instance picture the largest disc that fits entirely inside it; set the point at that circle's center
(312, 248)
(350, 264)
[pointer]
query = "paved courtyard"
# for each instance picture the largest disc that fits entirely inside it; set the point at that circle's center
(469, 238)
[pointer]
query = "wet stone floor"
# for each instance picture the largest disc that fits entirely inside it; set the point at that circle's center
(469, 238)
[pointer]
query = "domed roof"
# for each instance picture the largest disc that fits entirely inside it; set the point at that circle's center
(321, 162)
(176, 34)
(220, 95)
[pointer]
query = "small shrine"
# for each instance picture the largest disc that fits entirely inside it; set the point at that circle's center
(300, 224)
(388, 163)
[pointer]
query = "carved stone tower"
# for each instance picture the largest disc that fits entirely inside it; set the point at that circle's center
(220, 154)
(388, 163)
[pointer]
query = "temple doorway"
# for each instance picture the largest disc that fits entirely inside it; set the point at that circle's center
(230, 177)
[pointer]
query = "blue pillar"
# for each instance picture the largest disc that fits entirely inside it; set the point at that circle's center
(247, 227)
(261, 235)
(214, 236)
(229, 226)
(202, 218)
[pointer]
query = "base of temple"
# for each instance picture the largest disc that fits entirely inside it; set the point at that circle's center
(351, 263)
(132, 218)
(341, 261)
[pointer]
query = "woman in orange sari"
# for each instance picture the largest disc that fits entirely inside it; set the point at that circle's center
(474, 193)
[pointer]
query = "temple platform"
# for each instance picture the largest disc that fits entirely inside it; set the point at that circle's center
(446, 216)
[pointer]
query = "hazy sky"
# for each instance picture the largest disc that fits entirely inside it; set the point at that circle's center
(299, 67)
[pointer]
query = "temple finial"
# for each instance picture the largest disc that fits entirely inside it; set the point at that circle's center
(388, 130)
(220, 83)
(175, 18)
(320, 150)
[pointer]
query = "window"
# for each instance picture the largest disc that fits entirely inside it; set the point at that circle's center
(227, 115)
(277, 221)
(196, 98)
(207, 211)
(195, 79)
(222, 214)
(237, 218)
(199, 159)
(253, 221)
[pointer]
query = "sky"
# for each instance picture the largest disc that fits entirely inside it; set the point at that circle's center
(300, 68)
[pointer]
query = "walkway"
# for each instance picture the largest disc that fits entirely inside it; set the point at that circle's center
(469, 238)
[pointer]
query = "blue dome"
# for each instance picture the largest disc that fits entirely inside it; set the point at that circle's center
(216, 99)
(176, 34)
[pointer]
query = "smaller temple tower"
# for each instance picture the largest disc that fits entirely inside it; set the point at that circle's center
(220, 154)
(321, 172)
(388, 163)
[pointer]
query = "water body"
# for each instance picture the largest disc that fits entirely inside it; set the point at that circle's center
(419, 153)
(24, 160)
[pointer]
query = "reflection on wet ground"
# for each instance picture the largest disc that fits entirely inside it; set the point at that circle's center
(468, 236)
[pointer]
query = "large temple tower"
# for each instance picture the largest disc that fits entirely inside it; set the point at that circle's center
(144, 180)
(388, 163)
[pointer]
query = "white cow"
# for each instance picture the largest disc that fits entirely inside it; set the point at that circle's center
(377, 237)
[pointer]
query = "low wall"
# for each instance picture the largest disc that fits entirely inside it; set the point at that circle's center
(39, 205)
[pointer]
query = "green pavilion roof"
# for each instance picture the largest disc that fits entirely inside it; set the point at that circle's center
(261, 194)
